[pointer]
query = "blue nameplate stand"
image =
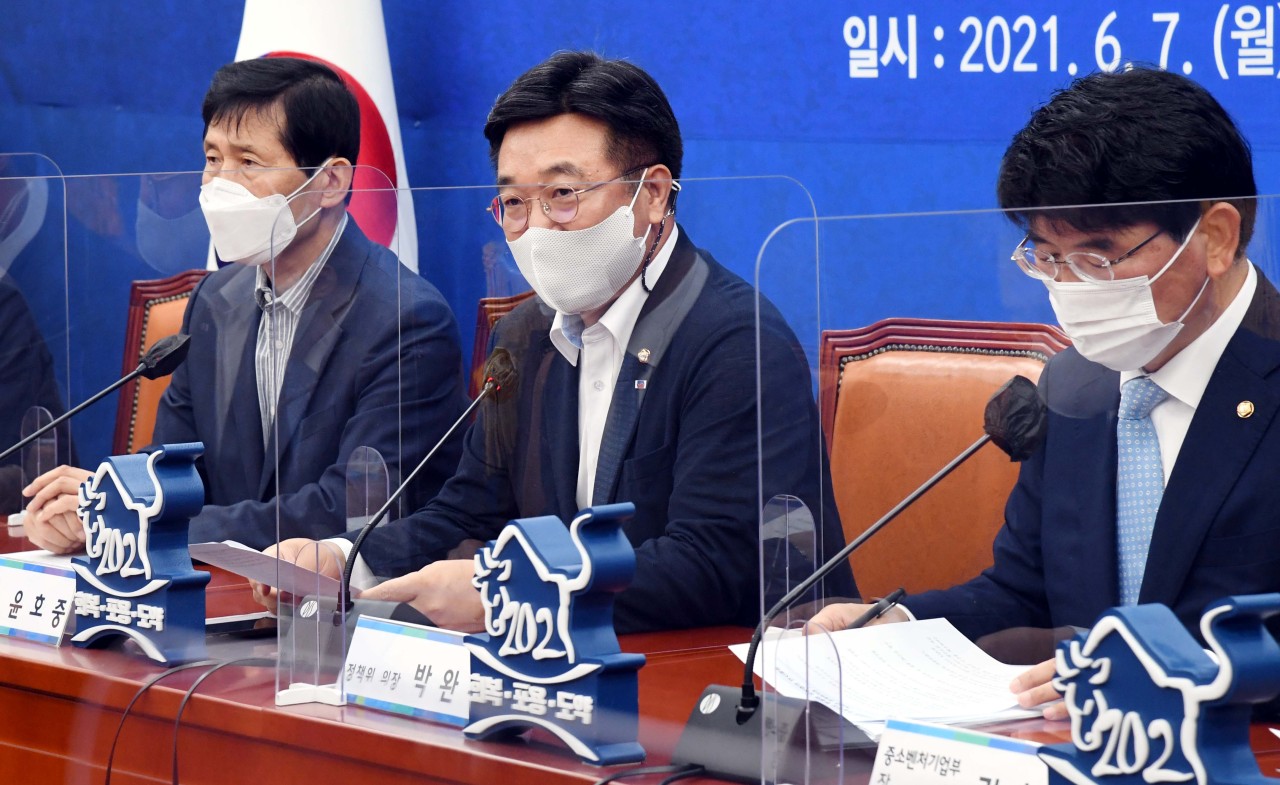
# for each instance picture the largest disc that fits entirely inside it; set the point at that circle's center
(550, 658)
(1148, 705)
(136, 580)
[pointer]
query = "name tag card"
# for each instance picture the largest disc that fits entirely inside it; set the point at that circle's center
(409, 669)
(36, 600)
(920, 754)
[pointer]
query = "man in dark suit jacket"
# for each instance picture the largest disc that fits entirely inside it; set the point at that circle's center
(636, 376)
(1154, 292)
(313, 343)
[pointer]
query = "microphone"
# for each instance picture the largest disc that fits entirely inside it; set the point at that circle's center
(319, 621)
(499, 382)
(162, 359)
(1016, 420)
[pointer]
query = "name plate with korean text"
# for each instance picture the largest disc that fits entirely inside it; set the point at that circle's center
(409, 669)
(913, 753)
(35, 600)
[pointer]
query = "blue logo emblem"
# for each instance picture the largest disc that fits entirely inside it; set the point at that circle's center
(549, 657)
(1149, 705)
(136, 579)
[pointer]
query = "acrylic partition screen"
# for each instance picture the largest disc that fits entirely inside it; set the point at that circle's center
(34, 364)
(900, 396)
(687, 391)
(344, 338)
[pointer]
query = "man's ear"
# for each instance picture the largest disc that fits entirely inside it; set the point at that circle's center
(657, 192)
(334, 181)
(1220, 227)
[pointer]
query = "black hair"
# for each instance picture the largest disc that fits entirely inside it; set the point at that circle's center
(1137, 135)
(642, 128)
(321, 116)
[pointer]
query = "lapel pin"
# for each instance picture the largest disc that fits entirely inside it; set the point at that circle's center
(643, 355)
(1244, 410)
(641, 384)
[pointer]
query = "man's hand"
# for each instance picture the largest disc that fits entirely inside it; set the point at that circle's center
(1035, 687)
(834, 618)
(51, 520)
(442, 591)
(322, 557)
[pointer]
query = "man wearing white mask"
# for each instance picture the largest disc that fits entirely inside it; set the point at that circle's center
(1157, 480)
(314, 341)
(636, 367)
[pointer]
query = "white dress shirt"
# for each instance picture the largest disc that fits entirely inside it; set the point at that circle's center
(1186, 375)
(601, 349)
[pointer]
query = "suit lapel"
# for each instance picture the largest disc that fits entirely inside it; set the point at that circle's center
(1217, 448)
(663, 313)
(1096, 407)
(235, 379)
(318, 332)
(556, 398)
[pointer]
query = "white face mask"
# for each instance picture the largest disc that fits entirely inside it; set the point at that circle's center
(579, 270)
(247, 229)
(1114, 323)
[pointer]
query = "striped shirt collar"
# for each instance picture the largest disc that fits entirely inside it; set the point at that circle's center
(295, 297)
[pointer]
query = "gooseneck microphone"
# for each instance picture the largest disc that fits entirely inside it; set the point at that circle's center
(499, 382)
(1015, 419)
(162, 359)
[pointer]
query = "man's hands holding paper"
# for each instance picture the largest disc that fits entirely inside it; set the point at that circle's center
(441, 591)
(1033, 687)
(840, 615)
(322, 557)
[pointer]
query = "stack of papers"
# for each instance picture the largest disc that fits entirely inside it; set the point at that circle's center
(924, 671)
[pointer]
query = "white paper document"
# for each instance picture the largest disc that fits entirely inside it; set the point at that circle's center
(925, 671)
(258, 566)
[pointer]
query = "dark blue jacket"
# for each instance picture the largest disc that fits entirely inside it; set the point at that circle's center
(682, 447)
(375, 363)
(1217, 532)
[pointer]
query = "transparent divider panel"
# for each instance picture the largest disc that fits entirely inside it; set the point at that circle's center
(368, 486)
(333, 392)
(126, 231)
(34, 359)
(909, 324)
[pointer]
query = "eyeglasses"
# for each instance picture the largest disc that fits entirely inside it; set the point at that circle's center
(1086, 266)
(559, 203)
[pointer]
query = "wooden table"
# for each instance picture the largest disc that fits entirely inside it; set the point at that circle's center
(59, 709)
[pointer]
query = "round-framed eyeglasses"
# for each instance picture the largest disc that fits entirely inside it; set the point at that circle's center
(559, 202)
(1086, 266)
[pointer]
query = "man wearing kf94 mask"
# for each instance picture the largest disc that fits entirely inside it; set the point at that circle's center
(314, 342)
(1157, 479)
(636, 370)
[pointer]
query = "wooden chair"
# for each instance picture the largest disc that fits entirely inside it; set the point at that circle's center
(490, 310)
(901, 398)
(155, 311)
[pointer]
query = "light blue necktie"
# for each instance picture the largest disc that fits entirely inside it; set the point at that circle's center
(1139, 481)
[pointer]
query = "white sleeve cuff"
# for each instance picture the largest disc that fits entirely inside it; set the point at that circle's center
(910, 616)
(361, 576)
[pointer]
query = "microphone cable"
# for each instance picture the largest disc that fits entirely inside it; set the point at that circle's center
(191, 691)
(142, 690)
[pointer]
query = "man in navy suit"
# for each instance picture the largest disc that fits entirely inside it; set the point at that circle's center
(1157, 295)
(314, 341)
(636, 375)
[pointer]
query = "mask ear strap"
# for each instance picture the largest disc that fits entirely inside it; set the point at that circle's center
(1177, 253)
(653, 249)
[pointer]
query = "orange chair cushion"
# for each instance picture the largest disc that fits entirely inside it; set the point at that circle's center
(900, 417)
